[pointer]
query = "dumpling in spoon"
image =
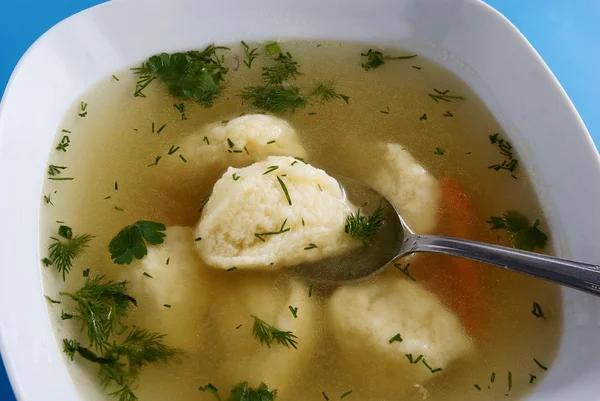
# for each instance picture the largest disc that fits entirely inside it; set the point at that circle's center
(390, 327)
(172, 289)
(275, 213)
(255, 301)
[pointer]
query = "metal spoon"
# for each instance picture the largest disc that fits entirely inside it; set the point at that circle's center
(397, 240)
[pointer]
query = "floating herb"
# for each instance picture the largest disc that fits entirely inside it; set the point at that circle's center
(346, 394)
(156, 160)
(193, 74)
(65, 248)
(268, 334)
(270, 169)
(423, 117)
(277, 99)
(438, 151)
(130, 242)
(55, 170)
(539, 364)
(310, 246)
(326, 92)
(285, 190)
(242, 392)
(250, 54)
(522, 234)
(376, 59)
(64, 143)
(364, 228)
(537, 311)
(294, 311)
(443, 96)
(396, 338)
(506, 149)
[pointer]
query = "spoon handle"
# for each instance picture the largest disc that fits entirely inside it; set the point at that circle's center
(582, 276)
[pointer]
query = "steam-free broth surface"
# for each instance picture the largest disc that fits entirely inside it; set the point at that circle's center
(128, 159)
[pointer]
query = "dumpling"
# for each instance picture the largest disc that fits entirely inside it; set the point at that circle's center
(390, 327)
(405, 184)
(242, 141)
(269, 298)
(174, 292)
(275, 213)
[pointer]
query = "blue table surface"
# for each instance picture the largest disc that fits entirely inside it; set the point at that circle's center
(564, 32)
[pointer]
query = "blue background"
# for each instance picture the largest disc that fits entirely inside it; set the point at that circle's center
(566, 33)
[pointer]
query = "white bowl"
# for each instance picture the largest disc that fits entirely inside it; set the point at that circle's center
(465, 36)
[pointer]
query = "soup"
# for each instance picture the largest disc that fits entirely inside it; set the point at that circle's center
(172, 213)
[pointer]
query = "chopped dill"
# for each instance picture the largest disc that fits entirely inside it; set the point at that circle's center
(277, 99)
(376, 59)
(235, 177)
(181, 109)
(268, 334)
(65, 248)
(439, 151)
(346, 394)
(173, 149)
(156, 160)
(396, 338)
(523, 235)
(270, 169)
(183, 159)
(64, 143)
(55, 170)
(443, 96)
(405, 270)
(325, 92)
(364, 228)
(423, 117)
(285, 190)
(282, 229)
(310, 246)
(250, 54)
(537, 311)
(294, 311)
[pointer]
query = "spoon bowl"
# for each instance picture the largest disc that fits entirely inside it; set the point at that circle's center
(396, 240)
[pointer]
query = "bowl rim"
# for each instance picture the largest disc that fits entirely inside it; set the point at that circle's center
(29, 384)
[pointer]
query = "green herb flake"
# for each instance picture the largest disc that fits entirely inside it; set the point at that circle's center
(310, 290)
(130, 242)
(273, 48)
(147, 275)
(477, 387)
(183, 159)
(52, 301)
(276, 99)
(522, 234)
(376, 59)
(206, 140)
(86, 272)
(325, 396)
(64, 143)
(294, 311)
(268, 334)
(539, 364)
(364, 228)
(537, 311)
(198, 239)
(532, 378)
(444, 96)
(243, 392)
(46, 262)
(416, 68)
(162, 127)
(448, 114)
(326, 92)
(404, 270)
(117, 208)
(492, 377)
(249, 54)
(285, 190)
(270, 169)
(509, 380)
(346, 394)
(396, 338)
(232, 269)
(282, 229)
(310, 246)
(156, 160)
(270, 142)
(167, 306)
(47, 199)
(65, 248)
(438, 151)
(195, 75)
(423, 117)
(115, 77)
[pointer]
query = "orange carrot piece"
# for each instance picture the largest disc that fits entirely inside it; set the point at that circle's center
(459, 285)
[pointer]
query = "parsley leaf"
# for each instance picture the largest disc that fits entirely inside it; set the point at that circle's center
(130, 241)
(193, 74)
(243, 392)
(523, 235)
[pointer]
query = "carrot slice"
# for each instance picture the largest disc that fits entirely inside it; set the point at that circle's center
(457, 280)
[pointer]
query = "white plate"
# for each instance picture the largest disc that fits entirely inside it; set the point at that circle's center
(466, 36)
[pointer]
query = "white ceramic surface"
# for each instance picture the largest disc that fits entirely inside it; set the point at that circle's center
(466, 36)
